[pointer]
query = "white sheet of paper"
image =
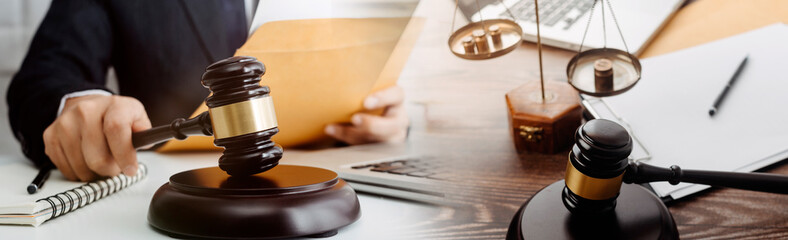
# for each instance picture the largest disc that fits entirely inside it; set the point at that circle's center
(668, 109)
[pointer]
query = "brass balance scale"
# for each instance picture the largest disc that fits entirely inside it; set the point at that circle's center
(544, 115)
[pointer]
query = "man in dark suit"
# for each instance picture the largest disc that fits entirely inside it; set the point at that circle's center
(61, 111)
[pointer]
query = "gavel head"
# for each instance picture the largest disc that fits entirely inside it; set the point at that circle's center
(242, 116)
(596, 167)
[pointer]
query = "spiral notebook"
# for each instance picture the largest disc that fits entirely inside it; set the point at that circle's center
(36, 212)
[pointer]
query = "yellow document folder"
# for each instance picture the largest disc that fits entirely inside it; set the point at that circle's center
(320, 70)
(704, 21)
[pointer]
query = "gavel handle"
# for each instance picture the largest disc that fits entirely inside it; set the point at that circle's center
(762, 182)
(178, 129)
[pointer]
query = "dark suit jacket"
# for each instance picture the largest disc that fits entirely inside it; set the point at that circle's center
(159, 49)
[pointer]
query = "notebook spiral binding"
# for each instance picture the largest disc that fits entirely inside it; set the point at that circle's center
(90, 192)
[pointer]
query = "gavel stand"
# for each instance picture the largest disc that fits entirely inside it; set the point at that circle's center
(639, 214)
(286, 201)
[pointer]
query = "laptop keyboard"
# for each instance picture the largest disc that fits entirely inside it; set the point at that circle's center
(552, 13)
(421, 168)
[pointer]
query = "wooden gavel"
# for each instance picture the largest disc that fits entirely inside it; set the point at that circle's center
(241, 118)
(598, 164)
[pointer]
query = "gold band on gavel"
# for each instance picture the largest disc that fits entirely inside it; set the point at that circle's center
(589, 187)
(241, 118)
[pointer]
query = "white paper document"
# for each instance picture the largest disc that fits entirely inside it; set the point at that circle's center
(668, 109)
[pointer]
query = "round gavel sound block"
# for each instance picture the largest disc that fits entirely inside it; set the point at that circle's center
(286, 201)
(639, 214)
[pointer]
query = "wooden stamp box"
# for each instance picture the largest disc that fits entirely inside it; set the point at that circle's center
(543, 127)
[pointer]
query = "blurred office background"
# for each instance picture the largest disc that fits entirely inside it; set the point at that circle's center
(19, 20)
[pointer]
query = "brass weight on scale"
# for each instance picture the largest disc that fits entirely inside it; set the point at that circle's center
(484, 39)
(603, 71)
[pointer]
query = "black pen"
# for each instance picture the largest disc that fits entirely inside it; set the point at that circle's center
(40, 179)
(724, 93)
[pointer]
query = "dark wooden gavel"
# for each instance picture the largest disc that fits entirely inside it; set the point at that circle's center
(598, 164)
(241, 118)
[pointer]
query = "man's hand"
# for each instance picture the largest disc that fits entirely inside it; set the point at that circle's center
(92, 136)
(392, 126)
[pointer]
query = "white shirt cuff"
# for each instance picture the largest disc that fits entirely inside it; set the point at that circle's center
(80, 94)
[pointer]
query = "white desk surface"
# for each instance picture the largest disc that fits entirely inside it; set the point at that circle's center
(124, 214)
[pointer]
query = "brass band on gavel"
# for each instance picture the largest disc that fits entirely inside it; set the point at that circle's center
(590, 187)
(241, 118)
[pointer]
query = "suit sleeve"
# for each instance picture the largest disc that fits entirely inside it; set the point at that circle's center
(70, 52)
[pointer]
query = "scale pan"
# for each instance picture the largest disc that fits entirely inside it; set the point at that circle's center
(582, 75)
(511, 34)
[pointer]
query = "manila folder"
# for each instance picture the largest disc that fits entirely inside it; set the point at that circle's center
(320, 70)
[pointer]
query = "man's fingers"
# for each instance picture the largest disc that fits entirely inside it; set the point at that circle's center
(76, 161)
(63, 165)
(141, 121)
(118, 133)
(55, 153)
(388, 97)
(118, 126)
(346, 133)
(378, 128)
(395, 111)
(96, 150)
(367, 128)
(70, 141)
